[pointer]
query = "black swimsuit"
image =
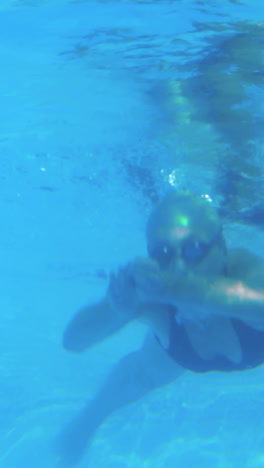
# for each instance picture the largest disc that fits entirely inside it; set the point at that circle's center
(251, 341)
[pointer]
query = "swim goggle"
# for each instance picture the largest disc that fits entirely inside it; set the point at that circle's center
(192, 251)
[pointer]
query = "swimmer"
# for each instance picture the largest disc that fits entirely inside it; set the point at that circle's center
(204, 306)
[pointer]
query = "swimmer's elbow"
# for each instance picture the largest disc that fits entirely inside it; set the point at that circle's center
(90, 326)
(80, 331)
(73, 343)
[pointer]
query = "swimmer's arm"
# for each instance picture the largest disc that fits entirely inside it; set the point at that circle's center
(238, 295)
(225, 296)
(91, 325)
(95, 323)
(234, 298)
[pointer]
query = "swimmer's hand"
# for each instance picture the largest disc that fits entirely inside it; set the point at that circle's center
(172, 288)
(150, 282)
(122, 294)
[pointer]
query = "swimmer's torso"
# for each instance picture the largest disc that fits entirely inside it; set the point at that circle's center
(183, 349)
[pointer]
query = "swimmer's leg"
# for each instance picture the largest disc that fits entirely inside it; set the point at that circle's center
(133, 377)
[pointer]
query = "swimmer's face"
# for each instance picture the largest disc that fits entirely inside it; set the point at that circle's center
(184, 234)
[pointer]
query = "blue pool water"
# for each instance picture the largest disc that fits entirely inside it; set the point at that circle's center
(104, 105)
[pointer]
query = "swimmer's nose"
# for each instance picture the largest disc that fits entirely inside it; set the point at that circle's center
(179, 265)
